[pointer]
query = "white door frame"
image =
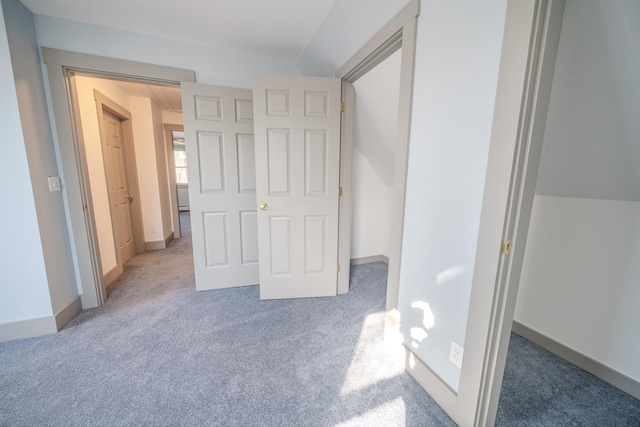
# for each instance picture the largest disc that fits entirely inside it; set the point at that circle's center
(544, 38)
(61, 66)
(495, 298)
(171, 166)
(104, 103)
(398, 33)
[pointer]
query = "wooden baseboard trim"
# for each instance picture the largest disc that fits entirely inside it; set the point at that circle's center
(168, 240)
(64, 316)
(112, 275)
(605, 373)
(368, 259)
(28, 328)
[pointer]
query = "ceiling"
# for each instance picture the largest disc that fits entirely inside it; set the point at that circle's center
(168, 98)
(273, 29)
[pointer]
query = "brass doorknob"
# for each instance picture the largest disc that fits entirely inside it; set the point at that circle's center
(264, 206)
(130, 197)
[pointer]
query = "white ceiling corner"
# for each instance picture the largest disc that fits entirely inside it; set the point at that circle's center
(273, 29)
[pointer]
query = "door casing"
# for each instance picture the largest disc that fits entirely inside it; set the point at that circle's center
(171, 165)
(103, 103)
(61, 66)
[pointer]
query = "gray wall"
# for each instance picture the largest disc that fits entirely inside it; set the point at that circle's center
(581, 271)
(37, 267)
(591, 147)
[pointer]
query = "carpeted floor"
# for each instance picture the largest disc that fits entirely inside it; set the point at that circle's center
(158, 353)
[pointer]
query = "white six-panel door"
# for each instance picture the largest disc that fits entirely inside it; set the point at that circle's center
(218, 125)
(297, 133)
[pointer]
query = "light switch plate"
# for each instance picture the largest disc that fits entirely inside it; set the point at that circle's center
(54, 183)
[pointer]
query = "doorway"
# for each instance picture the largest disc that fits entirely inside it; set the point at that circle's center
(178, 174)
(119, 227)
(130, 174)
(374, 152)
(62, 66)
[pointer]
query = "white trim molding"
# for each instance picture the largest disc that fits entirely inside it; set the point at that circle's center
(369, 259)
(604, 372)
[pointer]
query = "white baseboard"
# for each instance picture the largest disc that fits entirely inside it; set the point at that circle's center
(112, 275)
(67, 313)
(158, 244)
(605, 373)
(28, 328)
(368, 259)
(40, 325)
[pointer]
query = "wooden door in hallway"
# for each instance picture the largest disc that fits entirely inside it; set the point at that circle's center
(118, 185)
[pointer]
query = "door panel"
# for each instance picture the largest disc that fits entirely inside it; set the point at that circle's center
(118, 187)
(297, 147)
(218, 124)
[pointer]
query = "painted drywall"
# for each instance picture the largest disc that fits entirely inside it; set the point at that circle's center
(370, 216)
(347, 27)
(580, 276)
(458, 50)
(591, 145)
(183, 197)
(24, 293)
(457, 61)
(161, 169)
(212, 66)
(145, 148)
(375, 126)
(581, 270)
(89, 115)
(376, 115)
(172, 117)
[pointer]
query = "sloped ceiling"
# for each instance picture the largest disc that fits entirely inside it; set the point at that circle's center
(272, 29)
(376, 116)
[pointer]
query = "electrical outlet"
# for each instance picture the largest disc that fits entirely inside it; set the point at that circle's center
(455, 356)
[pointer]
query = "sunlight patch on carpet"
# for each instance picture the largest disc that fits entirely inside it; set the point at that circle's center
(372, 361)
(392, 413)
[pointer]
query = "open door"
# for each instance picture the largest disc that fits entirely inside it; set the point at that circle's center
(297, 128)
(218, 125)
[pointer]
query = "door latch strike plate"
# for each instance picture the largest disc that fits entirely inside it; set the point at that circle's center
(506, 247)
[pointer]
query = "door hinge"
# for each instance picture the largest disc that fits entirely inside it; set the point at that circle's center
(342, 107)
(338, 267)
(340, 191)
(506, 247)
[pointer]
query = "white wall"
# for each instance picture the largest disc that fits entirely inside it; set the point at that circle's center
(371, 213)
(89, 116)
(145, 148)
(375, 127)
(580, 278)
(171, 117)
(579, 283)
(24, 292)
(347, 27)
(458, 50)
(212, 66)
(591, 145)
(36, 266)
(161, 169)
(450, 134)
